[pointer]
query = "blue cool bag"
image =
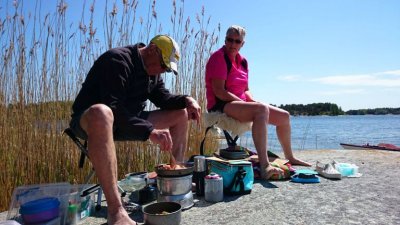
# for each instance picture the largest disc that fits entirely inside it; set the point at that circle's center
(237, 175)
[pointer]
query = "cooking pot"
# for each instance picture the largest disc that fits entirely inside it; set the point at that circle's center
(162, 213)
(174, 173)
(174, 185)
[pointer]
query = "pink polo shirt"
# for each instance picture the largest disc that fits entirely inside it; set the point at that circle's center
(236, 82)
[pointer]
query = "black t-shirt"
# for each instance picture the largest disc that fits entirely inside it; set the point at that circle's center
(118, 80)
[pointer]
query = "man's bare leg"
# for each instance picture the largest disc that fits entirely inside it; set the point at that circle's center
(97, 121)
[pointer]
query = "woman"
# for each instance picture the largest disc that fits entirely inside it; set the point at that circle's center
(228, 92)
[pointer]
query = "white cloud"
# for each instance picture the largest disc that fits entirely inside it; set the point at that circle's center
(381, 79)
(290, 78)
(343, 92)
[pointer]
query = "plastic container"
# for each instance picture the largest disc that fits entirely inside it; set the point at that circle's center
(45, 196)
(40, 210)
(9, 222)
(347, 169)
(81, 203)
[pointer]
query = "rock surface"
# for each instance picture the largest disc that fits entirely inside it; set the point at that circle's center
(373, 198)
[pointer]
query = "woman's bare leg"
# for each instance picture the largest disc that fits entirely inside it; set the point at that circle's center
(281, 119)
(258, 114)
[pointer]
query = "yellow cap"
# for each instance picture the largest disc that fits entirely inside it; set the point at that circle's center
(169, 51)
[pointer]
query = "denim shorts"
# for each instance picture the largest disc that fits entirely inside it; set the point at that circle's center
(75, 126)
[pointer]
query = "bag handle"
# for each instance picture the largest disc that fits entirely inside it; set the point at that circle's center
(238, 179)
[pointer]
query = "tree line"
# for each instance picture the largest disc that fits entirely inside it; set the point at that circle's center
(331, 109)
(314, 109)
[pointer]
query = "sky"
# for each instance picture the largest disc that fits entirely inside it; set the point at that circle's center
(345, 52)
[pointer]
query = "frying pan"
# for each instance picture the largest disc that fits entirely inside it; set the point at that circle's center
(174, 173)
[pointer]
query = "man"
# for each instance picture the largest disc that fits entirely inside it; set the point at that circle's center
(110, 106)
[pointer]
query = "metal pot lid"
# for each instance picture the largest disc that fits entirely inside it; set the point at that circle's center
(174, 173)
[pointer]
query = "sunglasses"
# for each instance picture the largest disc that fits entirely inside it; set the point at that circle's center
(231, 40)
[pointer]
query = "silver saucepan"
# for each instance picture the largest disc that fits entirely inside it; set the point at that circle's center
(162, 213)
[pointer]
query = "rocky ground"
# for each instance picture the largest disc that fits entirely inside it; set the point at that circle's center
(373, 198)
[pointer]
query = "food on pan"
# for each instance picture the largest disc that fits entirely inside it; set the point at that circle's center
(171, 167)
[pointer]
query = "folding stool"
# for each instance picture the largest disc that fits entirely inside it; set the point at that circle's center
(84, 153)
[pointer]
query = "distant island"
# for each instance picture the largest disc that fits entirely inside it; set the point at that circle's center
(331, 109)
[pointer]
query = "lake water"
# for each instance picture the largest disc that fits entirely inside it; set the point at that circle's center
(326, 132)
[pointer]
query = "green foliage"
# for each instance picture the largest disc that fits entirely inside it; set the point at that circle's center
(330, 109)
(377, 111)
(313, 109)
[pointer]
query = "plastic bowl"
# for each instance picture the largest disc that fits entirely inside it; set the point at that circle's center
(40, 210)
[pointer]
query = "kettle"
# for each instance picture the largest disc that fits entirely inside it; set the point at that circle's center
(147, 194)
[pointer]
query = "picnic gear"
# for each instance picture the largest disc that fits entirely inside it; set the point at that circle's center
(237, 175)
(200, 171)
(161, 172)
(174, 185)
(147, 194)
(185, 200)
(162, 213)
(306, 171)
(176, 189)
(214, 188)
(40, 210)
(347, 169)
(38, 201)
(83, 148)
(305, 176)
(327, 170)
(233, 152)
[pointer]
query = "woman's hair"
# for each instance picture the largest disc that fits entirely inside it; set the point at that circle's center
(237, 30)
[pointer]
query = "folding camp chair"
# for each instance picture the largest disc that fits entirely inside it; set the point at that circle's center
(84, 153)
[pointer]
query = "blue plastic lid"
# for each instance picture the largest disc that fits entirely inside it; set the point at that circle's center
(39, 205)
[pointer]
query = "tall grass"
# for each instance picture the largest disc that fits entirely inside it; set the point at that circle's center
(44, 59)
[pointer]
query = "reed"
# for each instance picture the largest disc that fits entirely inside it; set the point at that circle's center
(44, 59)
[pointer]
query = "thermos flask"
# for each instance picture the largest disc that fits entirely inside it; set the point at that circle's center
(199, 172)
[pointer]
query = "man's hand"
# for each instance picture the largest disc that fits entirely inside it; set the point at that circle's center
(162, 138)
(193, 109)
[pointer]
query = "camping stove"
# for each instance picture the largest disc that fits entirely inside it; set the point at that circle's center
(175, 189)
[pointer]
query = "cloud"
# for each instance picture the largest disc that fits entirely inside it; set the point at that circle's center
(381, 79)
(290, 78)
(343, 92)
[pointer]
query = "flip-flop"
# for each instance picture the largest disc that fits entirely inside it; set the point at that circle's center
(305, 178)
